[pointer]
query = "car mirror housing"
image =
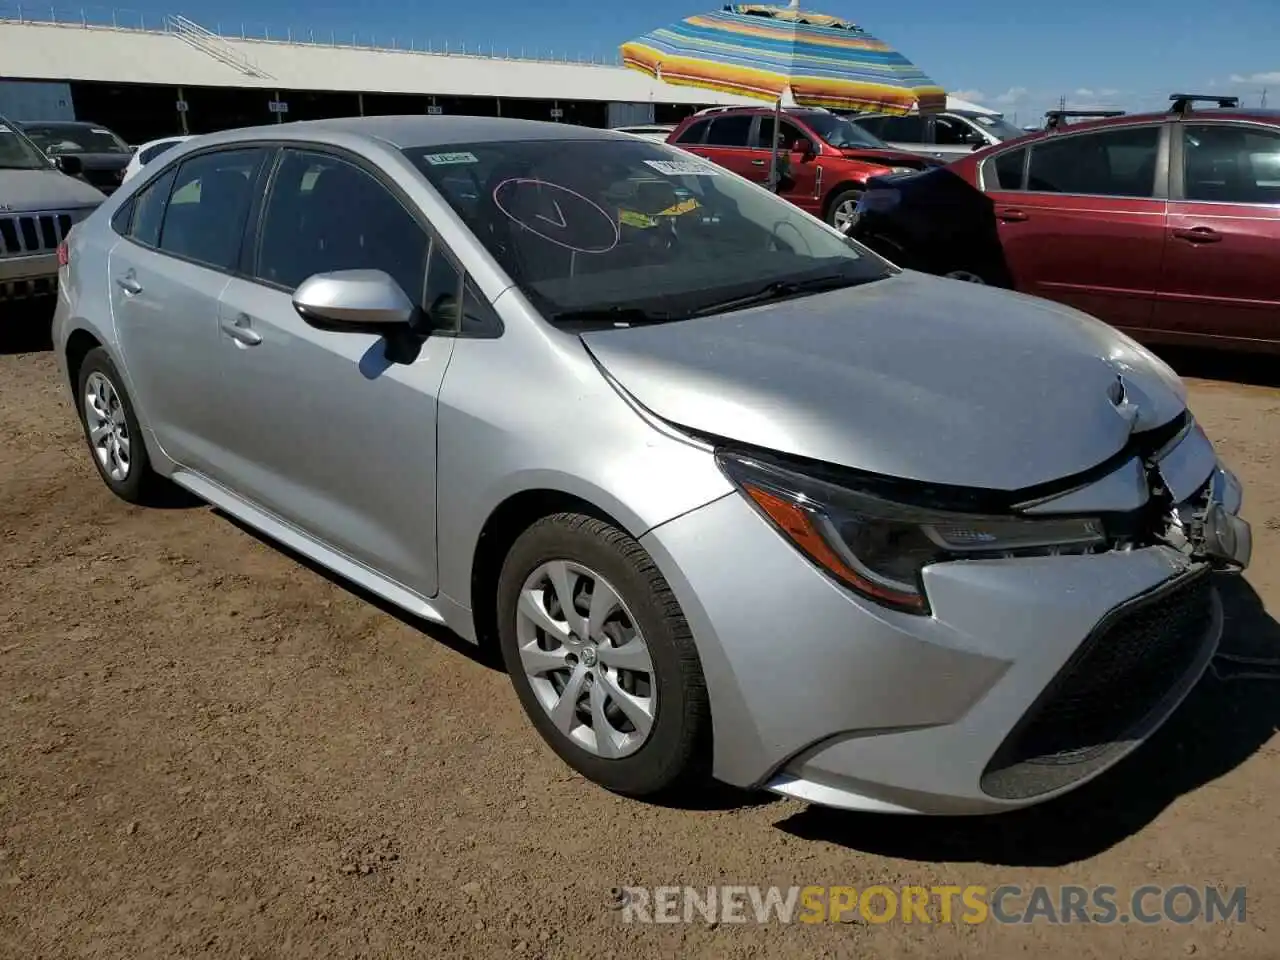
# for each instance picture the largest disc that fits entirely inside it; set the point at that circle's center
(72, 166)
(368, 300)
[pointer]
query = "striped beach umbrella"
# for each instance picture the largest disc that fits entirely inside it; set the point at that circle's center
(785, 55)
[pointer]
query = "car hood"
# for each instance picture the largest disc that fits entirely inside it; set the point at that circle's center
(915, 377)
(23, 191)
(888, 158)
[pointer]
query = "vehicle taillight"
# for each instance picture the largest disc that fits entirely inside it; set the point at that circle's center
(64, 254)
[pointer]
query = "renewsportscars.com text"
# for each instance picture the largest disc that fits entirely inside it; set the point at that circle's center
(1006, 904)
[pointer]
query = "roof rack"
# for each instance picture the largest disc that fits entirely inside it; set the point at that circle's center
(1182, 102)
(763, 106)
(1054, 118)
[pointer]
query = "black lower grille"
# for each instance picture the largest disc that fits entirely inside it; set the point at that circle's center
(33, 233)
(28, 289)
(1136, 659)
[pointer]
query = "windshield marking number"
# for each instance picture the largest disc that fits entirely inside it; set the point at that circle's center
(682, 168)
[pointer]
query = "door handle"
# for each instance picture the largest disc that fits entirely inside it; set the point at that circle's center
(240, 331)
(1198, 235)
(757, 163)
(1012, 216)
(128, 284)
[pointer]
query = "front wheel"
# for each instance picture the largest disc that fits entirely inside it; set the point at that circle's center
(842, 210)
(602, 659)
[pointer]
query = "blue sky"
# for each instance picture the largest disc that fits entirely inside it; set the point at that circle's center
(1019, 56)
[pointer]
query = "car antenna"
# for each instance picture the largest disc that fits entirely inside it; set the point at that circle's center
(1182, 102)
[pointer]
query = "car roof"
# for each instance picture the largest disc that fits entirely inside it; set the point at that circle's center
(1269, 116)
(414, 131)
(60, 123)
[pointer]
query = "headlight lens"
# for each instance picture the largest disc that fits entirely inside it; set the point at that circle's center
(878, 547)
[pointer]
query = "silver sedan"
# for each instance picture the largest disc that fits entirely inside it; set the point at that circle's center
(735, 497)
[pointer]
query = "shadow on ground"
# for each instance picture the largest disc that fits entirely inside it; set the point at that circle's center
(24, 326)
(714, 797)
(1256, 369)
(1224, 721)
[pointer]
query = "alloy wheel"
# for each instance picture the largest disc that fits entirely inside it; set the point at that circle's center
(845, 215)
(108, 427)
(586, 659)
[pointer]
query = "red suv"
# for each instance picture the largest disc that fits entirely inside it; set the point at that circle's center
(829, 159)
(1166, 225)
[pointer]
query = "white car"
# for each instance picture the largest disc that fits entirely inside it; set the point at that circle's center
(657, 132)
(148, 151)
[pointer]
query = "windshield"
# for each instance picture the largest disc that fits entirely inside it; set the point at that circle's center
(587, 226)
(59, 138)
(19, 153)
(998, 127)
(839, 132)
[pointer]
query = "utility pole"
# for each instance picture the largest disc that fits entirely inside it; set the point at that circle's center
(1264, 97)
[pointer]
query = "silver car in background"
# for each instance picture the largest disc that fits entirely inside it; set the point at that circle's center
(733, 496)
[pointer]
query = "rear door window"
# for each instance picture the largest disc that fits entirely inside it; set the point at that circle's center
(1228, 163)
(730, 131)
(693, 133)
(1107, 163)
(903, 129)
(209, 206)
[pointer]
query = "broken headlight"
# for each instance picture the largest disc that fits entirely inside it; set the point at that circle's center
(878, 547)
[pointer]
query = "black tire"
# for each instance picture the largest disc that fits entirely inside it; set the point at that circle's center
(141, 484)
(676, 756)
(839, 197)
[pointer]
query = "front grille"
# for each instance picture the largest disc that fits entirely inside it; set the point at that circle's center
(1136, 660)
(32, 233)
(28, 289)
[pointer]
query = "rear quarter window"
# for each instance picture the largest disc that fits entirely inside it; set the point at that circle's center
(1004, 172)
(693, 133)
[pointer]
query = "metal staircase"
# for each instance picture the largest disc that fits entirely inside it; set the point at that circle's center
(208, 42)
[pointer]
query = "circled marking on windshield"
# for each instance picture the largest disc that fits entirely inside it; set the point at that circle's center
(557, 214)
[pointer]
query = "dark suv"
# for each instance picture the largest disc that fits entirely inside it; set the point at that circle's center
(828, 159)
(1166, 225)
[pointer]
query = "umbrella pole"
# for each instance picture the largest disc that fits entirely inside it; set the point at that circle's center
(773, 147)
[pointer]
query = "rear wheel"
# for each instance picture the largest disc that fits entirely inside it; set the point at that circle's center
(602, 659)
(112, 431)
(965, 276)
(842, 209)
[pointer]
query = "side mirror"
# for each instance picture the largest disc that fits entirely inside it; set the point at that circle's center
(355, 300)
(69, 164)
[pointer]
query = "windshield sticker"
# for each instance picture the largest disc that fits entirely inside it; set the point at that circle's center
(446, 159)
(683, 168)
(633, 218)
(557, 214)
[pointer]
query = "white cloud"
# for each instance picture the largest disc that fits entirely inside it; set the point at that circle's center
(1086, 93)
(1250, 78)
(973, 96)
(1012, 95)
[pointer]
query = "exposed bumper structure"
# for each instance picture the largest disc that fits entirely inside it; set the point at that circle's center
(1032, 676)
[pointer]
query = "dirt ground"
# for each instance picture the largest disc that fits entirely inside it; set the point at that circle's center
(208, 748)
